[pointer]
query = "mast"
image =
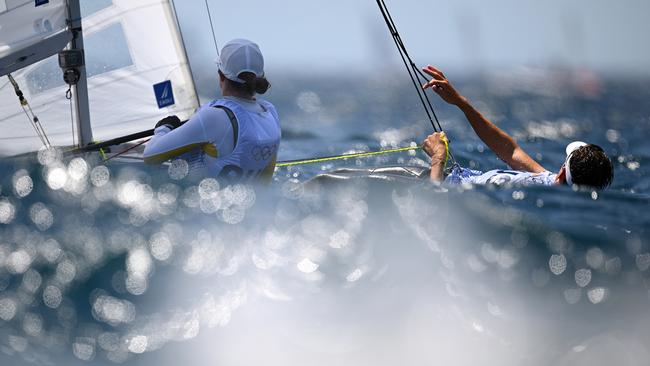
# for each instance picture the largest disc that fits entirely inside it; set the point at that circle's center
(177, 23)
(81, 111)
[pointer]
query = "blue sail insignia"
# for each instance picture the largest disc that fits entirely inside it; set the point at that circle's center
(164, 94)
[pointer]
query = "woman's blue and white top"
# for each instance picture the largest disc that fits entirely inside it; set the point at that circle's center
(207, 141)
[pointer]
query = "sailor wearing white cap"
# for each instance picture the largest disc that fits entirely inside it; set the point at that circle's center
(585, 164)
(235, 137)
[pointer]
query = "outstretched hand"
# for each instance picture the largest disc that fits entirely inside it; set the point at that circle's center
(442, 87)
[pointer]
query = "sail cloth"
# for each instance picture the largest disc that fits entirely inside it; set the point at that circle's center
(130, 46)
(30, 33)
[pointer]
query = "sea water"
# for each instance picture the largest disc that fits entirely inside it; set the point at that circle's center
(128, 264)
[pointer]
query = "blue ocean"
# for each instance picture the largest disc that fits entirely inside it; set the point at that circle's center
(122, 263)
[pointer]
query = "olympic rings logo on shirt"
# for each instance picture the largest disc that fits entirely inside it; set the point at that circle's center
(263, 152)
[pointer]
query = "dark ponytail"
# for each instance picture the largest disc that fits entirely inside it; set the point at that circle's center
(252, 84)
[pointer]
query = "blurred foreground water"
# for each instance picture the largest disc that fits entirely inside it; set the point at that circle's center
(139, 265)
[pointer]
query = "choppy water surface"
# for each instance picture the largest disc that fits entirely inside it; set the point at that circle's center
(130, 264)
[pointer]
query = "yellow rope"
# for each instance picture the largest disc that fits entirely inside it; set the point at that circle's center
(346, 156)
(446, 151)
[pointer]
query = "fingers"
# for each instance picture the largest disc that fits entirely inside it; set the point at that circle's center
(439, 81)
(434, 138)
(427, 144)
(427, 147)
(440, 136)
(433, 145)
(435, 84)
(435, 73)
(436, 70)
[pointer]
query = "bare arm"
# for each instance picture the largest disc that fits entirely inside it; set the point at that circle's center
(503, 145)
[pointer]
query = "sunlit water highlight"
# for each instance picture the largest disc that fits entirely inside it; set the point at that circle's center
(141, 265)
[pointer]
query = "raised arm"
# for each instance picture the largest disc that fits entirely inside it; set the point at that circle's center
(503, 145)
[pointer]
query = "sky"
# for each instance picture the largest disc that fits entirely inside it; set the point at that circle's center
(350, 35)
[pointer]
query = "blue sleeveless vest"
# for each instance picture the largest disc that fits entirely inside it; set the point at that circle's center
(257, 142)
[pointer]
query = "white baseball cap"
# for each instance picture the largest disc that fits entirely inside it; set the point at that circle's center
(240, 55)
(570, 149)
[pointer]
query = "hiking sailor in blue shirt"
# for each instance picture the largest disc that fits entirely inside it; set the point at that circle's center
(585, 164)
(235, 137)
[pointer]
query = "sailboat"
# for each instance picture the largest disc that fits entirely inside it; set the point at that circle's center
(93, 71)
(124, 60)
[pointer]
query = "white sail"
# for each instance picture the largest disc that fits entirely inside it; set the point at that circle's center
(30, 32)
(130, 46)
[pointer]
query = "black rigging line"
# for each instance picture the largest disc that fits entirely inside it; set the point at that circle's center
(415, 73)
(214, 37)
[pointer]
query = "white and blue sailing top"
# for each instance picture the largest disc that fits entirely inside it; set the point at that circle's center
(214, 144)
(500, 177)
